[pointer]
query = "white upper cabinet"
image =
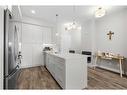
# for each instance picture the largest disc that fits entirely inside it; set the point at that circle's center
(27, 34)
(47, 35)
(36, 34)
(32, 34)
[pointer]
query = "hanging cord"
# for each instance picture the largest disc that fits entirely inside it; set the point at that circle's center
(56, 24)
(74, 14)
(56, 19)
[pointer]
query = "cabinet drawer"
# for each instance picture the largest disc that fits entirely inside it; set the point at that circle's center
(60, 73)
(60, 63)
(61, 60)
(60, 66)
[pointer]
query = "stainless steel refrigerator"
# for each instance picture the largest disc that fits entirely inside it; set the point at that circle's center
(11, 53)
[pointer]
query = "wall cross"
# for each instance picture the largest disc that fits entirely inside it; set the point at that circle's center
(110, 34)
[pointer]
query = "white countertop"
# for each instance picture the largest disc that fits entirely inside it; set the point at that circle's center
(67, 55)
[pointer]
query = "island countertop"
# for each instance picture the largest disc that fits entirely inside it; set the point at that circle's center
(66, 55)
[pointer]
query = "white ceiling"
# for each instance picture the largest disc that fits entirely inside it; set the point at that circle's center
(65, 12)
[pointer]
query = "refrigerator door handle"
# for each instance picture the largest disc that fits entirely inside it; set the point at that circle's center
(12, 79)
(13, 72)
(11, 75)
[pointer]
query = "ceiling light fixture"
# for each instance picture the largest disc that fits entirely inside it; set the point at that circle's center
(100, 12)
(33, 11)
(73, 25)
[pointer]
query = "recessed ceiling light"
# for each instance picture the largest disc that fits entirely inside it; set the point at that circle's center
(33, 11)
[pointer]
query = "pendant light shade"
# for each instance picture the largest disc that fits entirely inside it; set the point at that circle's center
(100, 12)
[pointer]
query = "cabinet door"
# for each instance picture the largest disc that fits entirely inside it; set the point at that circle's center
(37, 35)
(47, 35)
(37, 55)
(56, 67)
(32, 37)
(52, 65)
(32, 34)
(27, 34)
(46, 56)
(47, 63)
(27, 55)
(60, 74)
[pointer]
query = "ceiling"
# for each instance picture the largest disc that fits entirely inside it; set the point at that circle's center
(65, 13)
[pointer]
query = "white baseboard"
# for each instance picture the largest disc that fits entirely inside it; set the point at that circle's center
(29, 66)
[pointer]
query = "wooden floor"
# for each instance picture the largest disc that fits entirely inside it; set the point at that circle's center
(40, 78)
(103, 79)
(36, 78)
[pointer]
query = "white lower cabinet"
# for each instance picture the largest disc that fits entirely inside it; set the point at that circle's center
(60, 74)
(56, 69)
(70, 74)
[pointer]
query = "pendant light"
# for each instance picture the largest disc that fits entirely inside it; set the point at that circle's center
(57, 34)
(100, 12)
(73, 25)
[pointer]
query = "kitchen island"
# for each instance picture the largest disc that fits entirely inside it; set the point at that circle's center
(69, 70)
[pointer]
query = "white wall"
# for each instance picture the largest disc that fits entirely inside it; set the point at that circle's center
(88, 35)
(96, 32)
(69, 40)
(116, 23)
(75, 40)
(1, 46)
(65, 39)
